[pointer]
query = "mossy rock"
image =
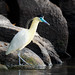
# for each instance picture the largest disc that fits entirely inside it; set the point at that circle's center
(26, 67)
(32, 58)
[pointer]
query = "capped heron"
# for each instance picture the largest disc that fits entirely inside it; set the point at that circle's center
(24, 37)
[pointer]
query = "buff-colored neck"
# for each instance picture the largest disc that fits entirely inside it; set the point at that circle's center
(34, 25)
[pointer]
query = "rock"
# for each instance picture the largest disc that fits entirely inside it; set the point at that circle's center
(32, 58)
(47, 49)
(57, 33)
(3, 8)
(5, 24)
(68, 9)
(3, 67)
(4, 20)
(27, 67)
(13, 11)
(12, 59)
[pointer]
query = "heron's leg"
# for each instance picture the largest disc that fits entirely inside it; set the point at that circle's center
(21, 59)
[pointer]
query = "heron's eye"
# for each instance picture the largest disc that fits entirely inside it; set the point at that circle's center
(41, 19)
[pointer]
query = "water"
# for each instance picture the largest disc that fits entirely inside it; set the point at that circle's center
(67, 68)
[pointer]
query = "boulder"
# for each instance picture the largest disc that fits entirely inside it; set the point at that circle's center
(11, 60)
(57, 33)
(3, 8)
(47, 49)
(68, 9)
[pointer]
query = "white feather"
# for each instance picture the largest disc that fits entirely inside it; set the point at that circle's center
(19, 41)
(24, 37)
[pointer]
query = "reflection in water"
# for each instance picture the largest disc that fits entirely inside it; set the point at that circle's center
(33, 72)
(19, 72)
(64, 69)
(25, 72)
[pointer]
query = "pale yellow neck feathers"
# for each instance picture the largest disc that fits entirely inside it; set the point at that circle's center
(34, 24)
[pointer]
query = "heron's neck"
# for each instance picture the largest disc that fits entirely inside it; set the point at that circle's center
(34, 26)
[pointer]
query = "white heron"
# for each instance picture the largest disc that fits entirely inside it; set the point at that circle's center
(24, 37)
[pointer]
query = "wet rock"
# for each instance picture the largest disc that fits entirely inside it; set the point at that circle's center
(31, 57)
(12, 59)
(27, 67)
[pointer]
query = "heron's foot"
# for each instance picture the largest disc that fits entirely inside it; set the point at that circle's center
(25, 62)
(22, 60)
(20, 64)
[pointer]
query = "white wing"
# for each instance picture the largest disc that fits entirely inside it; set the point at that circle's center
(18, 41)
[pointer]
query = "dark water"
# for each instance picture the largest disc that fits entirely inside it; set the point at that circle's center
(67, 68)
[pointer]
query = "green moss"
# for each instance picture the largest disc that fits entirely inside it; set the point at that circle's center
(22, 67)
(30, 60)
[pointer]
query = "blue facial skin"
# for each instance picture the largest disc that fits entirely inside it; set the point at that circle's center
(41, 18)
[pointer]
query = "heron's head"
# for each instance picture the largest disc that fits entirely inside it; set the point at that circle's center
(41, 19)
